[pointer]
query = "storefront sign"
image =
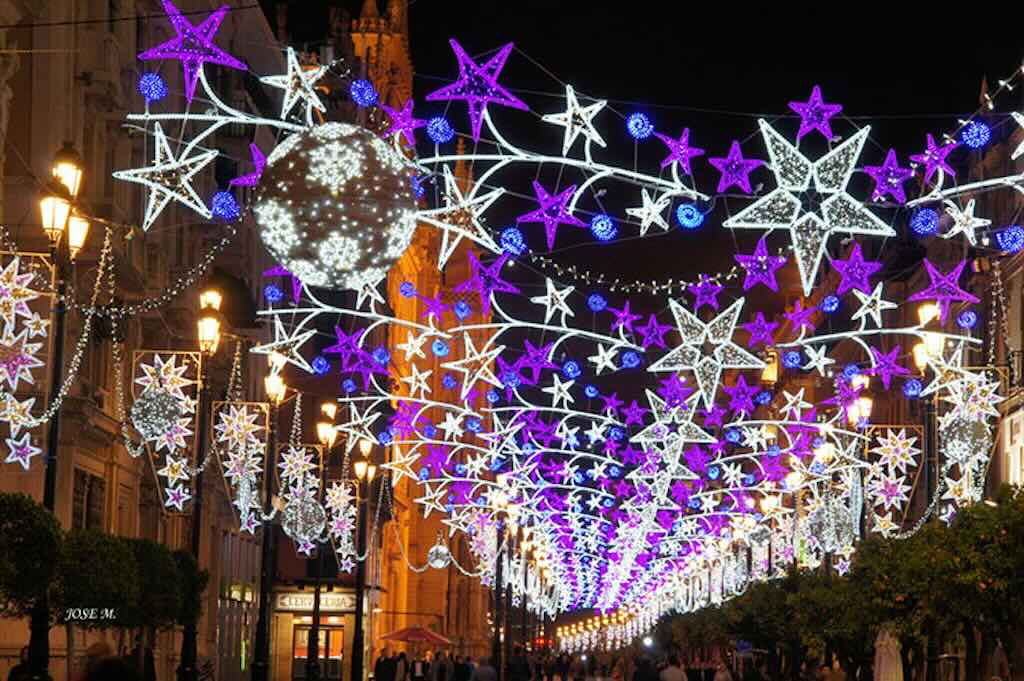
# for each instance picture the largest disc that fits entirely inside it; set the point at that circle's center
(303, 602)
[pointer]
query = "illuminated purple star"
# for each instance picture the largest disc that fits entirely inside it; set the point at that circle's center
(653, 333)
(741, 395)
(402, 121)
(259, 162)
(433, 306)
(612, 403)
(760, 267)
(735, 169)
(679, 150)
(624, 318)
(855, 272)
(176, 497)
(193, 46)
(486, 280)
(305, 547)
(478, 85)
(634, 414)
(815, 114)
(887, 365)
(674, 391)
(552, 212)
(889, 178)
(800, 316)
(347, 346)
(761, 331)
(366, 366)
(706, 292)
(713, 416)
(944, 288)
(278, 271)
(536, 359)
(934, 157)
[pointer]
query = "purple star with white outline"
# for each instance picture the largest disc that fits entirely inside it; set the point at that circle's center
(679, 150)
(279, 271)
(944, 288)
(934, 158)
(761, 331)
(706, 292)
(552, 211)
(855, 272)
(478, 86)
(674, 391)
(735, 169)
(887, 365)
(259, 162)
(889, 178)
(193, 46)
(760, 267)
(800, 316)
(624, 318)
(815, 114)
(402, 121)
(653, 333)
(486, 280)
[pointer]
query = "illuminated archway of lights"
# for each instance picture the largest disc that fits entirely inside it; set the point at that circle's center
(721, 471)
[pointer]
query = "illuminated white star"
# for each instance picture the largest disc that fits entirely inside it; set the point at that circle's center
(358, 426)
(964, 222)
(417, 381)
(475, 365)
(21, 451)
(169, 178)
(287, 345)
(460, 217)
(604, 359)
(871, 305)
(413, 346)
(577, 120)
(555, 301)
(816, 359)
(298, 85)
(174, 469)
(795, 405)
(451, 425)
(651, 212)
(559, 391)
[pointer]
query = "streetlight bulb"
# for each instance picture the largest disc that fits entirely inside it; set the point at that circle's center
(926, 312)
(935, 343)
(769, 502)
(210, 298)
(648, 641)
(208, 326)
(54, 210)
(360, 468)
(365, 447)
(371, 472)
(78, 229)
(329, 409)
(921, 356)
(275, 387)
(326, 433)
(67, 169)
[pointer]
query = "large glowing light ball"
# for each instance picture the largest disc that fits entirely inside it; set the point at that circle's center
(335, 206)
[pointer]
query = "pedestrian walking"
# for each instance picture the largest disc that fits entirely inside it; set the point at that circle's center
(484, 671)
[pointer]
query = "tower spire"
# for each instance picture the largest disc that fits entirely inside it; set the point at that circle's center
(369, 10)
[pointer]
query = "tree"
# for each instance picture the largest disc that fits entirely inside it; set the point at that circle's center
(193, 584)
(30, 537)
(160, 583)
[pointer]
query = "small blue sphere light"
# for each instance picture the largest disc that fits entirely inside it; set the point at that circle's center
(603, 227)
(829, 304)
(152, 87)
(596, 302)
(967, 319)
(639, 126)
(912, 388)
(976, 134)
(1010, 239)
(225, 207)
(512, 241)
(925, 222)
(440, 130)
(363, 92)
(689, 216)
(792, 359)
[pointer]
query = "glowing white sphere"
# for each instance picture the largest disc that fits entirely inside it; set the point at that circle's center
(439, 556)
(335, 206)
(154, 413)
(303, 520)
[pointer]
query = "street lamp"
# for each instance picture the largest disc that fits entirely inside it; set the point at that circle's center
(55, 213)
(365, 472)
(275, 388)
(208, 328)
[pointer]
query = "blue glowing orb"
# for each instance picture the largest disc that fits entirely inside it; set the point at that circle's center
(571, 369)
(590, 391)
(733, 435)
(967, 319)
(473, 425)
(1011, 239)
(792, 359)
(492, 396)
(418, 190)
(925, 222)
(362, 92)
(272, 293)
(439, 348)
(512, 241)
(462, 309)
(449, 382)
(385, 438)
(912, 388)
(510, 379)
(762, 398)
(689, 216)
(407, 289)
(348, 385)
(321, 365)
(976, 134)
(225, 207)
(152, 87)
(714, 472)
(617, 433)
(639, 126)
(850, 370)
(381, 355)
(602, 226)
(596, 302)
(829, 304)
(440, 130)
(630, 359)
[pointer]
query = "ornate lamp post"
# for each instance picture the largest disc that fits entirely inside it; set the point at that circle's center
(208, 328)
(365, 472)
(58, 217)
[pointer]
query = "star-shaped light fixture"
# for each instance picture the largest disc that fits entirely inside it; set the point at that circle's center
(577, 120)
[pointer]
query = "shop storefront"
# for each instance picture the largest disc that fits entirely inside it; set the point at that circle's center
(293, 619)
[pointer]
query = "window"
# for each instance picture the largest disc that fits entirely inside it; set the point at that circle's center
(89, 501)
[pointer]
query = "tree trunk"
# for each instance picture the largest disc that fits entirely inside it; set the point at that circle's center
(1014, 659)
(69, 648)
(971, 671)
(988, 649)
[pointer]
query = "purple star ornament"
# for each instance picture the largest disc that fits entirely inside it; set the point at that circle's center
(944, 288)
(478, 86)
(486, 280)
(279, 271)
(887, 365)
(934, 158)
(705, 291)
(679, 150)
(259, 162)
(815, 114)
(193, 46)
(735, 169)
(402, 122)
(552, 211)
(624, 318)
(889, 178)
(761, 331)
(760, 267)
(855, 272)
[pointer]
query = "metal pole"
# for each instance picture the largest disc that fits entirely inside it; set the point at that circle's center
(188, 668)
(357, 636)
(499, 601)
(39, 625)
(261, 649)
